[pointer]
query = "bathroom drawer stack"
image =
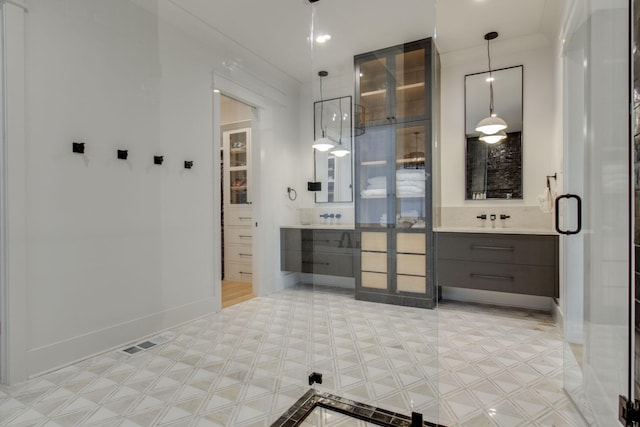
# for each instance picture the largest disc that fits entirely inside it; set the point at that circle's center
(238, 248)
(317, 251)
(514, 263)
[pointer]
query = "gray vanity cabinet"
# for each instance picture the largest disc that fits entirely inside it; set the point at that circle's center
(514, 263)
(317, 251)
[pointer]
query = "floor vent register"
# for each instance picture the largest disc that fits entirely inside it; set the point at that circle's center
(145, 345)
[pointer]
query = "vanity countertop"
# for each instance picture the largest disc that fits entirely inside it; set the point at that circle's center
(322, 226)
(496, 230)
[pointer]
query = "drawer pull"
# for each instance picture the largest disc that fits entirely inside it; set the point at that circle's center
(489, 276)
(315, 263)
(494, 248)
(244, 272)
(244, 236)
(244, 217)
(244, 254)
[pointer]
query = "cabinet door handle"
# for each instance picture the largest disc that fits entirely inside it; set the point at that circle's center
(244, 236)
(315, 263)
(489, 276)
(494, 248)
(244, 272)
(244, 217)
(245, 254)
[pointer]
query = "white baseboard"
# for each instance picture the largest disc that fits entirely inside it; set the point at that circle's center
(289, 280)
(557, 315)
(63, 353)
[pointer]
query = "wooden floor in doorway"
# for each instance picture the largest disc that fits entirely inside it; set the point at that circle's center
(235, 292)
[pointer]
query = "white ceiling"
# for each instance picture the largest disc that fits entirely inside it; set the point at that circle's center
(278, 30)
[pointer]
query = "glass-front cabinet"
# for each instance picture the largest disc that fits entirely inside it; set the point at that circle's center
(391, 84)
(393, 175)
(237, 144)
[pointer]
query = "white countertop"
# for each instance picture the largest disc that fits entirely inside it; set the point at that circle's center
(497, 230)
(322, 226)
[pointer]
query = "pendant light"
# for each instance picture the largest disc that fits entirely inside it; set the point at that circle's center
(492, 139)
(323, 143)
(340, 150)
(492, 124)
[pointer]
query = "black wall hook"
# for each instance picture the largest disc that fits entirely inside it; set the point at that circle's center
(78, 147)
(123, 154)
(188, 164)
(157, 160)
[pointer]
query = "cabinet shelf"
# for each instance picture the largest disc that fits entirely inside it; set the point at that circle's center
(374, 92)
(398, 88)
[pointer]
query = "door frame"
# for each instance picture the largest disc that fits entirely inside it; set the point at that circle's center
(261, 108)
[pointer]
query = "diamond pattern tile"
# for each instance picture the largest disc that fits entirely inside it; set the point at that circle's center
(460, 365)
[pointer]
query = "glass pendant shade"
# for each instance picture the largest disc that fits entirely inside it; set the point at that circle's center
(323, 144)
(494, 138)
(490, 125)
(340, 152)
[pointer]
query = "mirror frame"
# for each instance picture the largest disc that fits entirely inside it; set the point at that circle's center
(498, 151)
(347, 139)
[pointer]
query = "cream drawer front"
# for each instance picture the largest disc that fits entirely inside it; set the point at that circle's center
(240, 272)
(374, 261)
(238, 235)
(411, 264)
(411, 243)
(239, 217)
(239, 253)
(374, 280)
(415, 284)
(374, 241)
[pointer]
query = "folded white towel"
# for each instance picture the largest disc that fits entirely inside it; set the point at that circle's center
(410, 175)
(377, 180)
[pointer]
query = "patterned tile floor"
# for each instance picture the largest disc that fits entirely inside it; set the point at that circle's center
(247, 364)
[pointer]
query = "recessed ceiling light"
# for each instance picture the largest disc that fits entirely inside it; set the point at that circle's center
(490, 79)
(323, 38)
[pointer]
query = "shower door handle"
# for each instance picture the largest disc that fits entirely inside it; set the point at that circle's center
(579, 213)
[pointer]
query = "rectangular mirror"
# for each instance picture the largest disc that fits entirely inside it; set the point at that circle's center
(331, 170)
(494, 171)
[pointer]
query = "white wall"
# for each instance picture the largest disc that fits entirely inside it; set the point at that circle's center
(116, 250)
(540, 140)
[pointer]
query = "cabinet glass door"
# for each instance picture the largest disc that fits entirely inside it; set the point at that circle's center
(410, 179)
(237, 144)
(373, 184)
(596, 301)
(373, 90)
(410, 85)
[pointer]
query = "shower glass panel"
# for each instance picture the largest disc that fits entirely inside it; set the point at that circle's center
(596, 169)
(371, 263)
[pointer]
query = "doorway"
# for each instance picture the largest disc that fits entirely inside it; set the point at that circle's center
(236, 209)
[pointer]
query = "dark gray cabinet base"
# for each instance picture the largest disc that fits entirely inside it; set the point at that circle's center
(515, 263)
(317, 251)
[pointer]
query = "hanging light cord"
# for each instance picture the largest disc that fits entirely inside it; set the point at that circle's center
(341, 119)
(321, 109)
(490, 81)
